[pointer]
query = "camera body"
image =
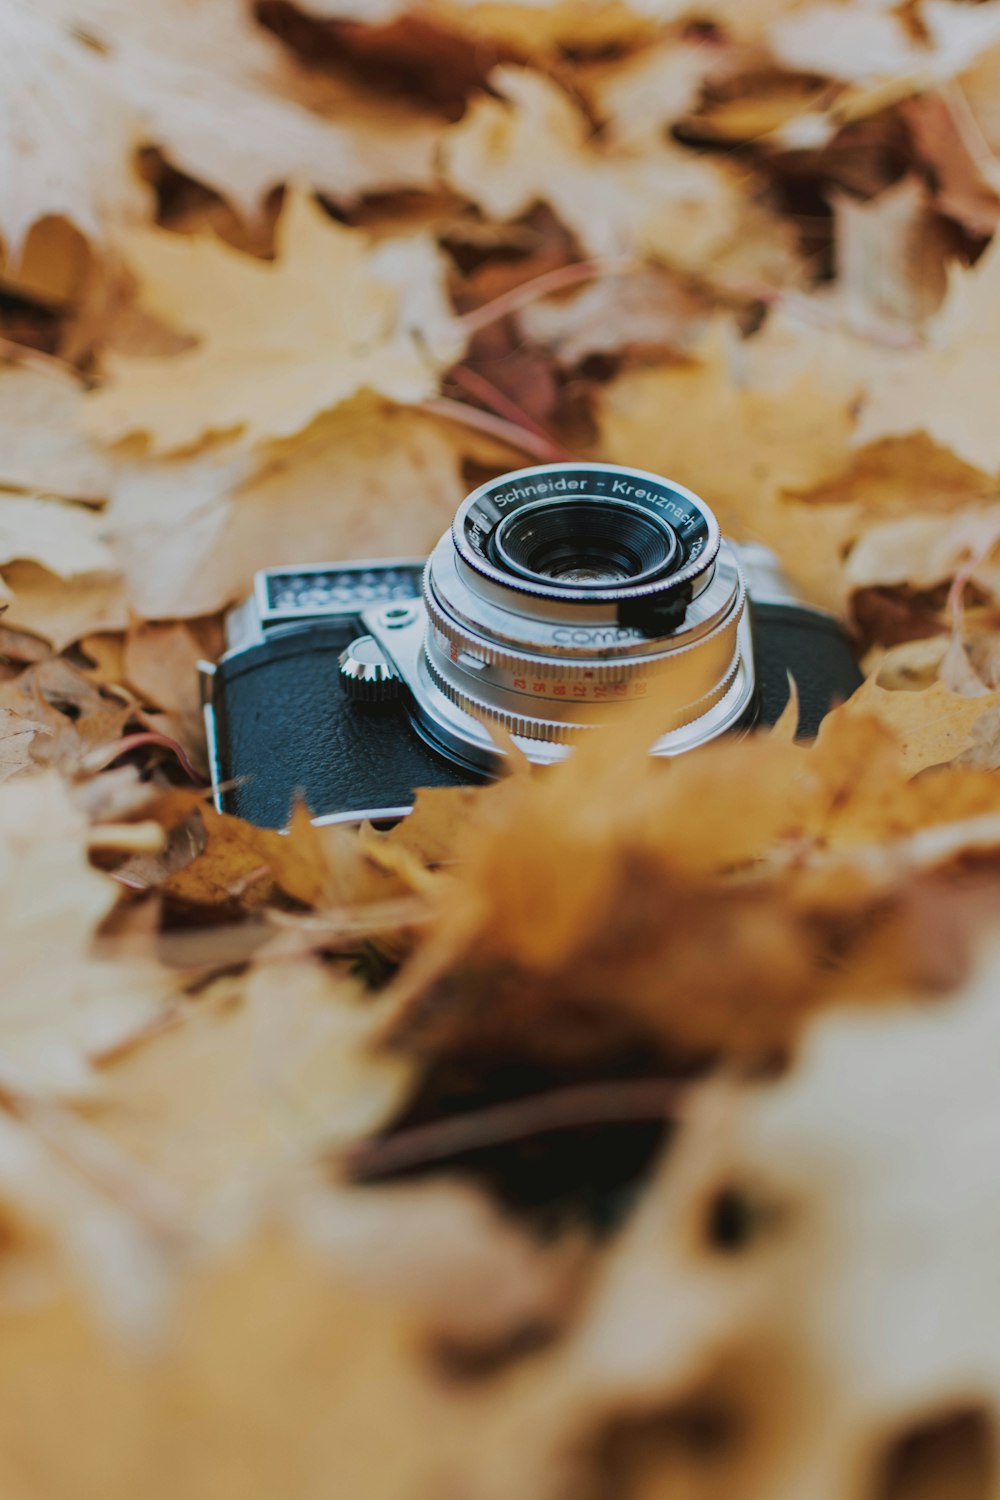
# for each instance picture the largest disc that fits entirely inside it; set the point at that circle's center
(562, 593)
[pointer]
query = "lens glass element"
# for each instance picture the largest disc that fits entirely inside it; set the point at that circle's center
(584, 543)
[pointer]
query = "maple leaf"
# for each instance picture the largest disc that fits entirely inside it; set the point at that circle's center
(189, 534)
(648, 309)
(42, 449)
(891, 258)
(61, 1006)
(950, 388)
(863, 43)
(651, 89)
(925, 550)
(279, 342)
(518, 948)
(78, 715)
(533, 145)
(55, 97)
(544, 25)
(788, 435)
(747, 1276)
(63, 611)
(91, 80)
(934, 725)
(279, 1068)
(64, 539)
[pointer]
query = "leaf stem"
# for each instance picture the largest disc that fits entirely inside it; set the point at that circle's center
(104, 756)
(483, 390)
(512, 434)
(613, 1103)
(559, 280)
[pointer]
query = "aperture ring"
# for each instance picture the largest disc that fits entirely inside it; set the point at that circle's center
(557, 731)
(680, 669)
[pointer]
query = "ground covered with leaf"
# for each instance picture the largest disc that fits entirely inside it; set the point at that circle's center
(628, 1131)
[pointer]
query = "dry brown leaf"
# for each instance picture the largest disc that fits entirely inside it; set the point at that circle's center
(947, 140)
(469, 1271)
(861, 44)
(647, 91)
(740, 448)
(273, 1328)
(780, 1230)
(891, 256)
(53, 266)
(923, 551)
(62, 611)
(334, 313)
(820, 860)
(16, 734)
(52, 1028)
(64, 539)
(899, 477)
(160, 665)
(56, 98)
(643, 310)
(278, 1069)
(541, 25)
(533, 24)
(92, 80)
(947, 389)
(327, 868)
(532, 145)
(232, 866)
(189, 534)
(79, 716)
(189, 64)
(934, 725)
(42, 449)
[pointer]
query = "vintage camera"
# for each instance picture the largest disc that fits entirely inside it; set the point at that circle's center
(562, 594)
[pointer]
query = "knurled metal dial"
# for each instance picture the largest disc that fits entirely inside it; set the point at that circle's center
(366, 672)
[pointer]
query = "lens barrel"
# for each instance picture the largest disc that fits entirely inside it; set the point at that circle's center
(567, 589)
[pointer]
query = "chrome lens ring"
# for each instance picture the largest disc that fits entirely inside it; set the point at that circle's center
(690, 531)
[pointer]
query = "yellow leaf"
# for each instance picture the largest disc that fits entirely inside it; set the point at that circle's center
(933, 725)
(951, 388)
(62, 1004)
(742, 449)
(91, 80)
(63, 611)
(67, 540)
(188, 534)
(41, 447)
(861, 44)
(533, 146)
(279, 342)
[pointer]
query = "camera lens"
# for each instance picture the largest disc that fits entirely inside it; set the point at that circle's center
(584, 543)
(567, 589)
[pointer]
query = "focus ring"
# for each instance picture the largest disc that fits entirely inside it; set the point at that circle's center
(457, 637)
(557, 731)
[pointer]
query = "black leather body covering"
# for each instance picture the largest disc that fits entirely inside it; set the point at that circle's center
(285, 726)
(790, 638)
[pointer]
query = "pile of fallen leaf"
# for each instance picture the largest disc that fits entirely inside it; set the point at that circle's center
(631, 1132)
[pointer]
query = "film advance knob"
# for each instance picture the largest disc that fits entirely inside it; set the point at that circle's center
(367, 674)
